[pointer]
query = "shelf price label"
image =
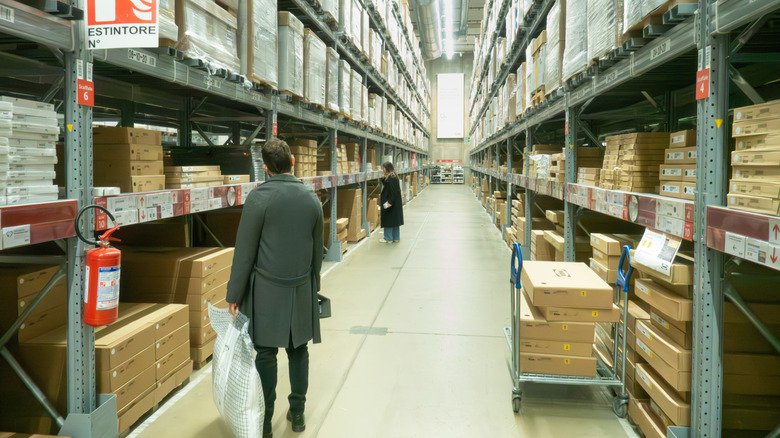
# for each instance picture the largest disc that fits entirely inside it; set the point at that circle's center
(703, 84)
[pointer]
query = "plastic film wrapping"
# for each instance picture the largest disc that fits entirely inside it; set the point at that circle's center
(331, 9)
(356, 24)
(376, 49)
(372, 100)
(540, 165)
(345, 87)
(510, 97)
(555, 44)
(575, 52)
(603, 27)
(356, 96)
(314, 65)
(520, 90)
(364, 103)
(290, 54)
(261, 51)
(208, 32)
(167, 21)
(530, 76)
(345, 15)
(332, 80)
(632, 14)
(365, 41)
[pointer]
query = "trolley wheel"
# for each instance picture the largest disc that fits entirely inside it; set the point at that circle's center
(516, 402)
(620, 406)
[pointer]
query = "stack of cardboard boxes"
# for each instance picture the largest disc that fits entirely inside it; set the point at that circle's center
(607, 249)
(588, 158)
(755, 177)
(678, 173)
(353, 157)
(560, 305)
(350, 206)
(188, 177)
(192, 276)
(557, 168)
(28, 134)
(305, 153)
(631, 161)
(128, 158)
(373, 212)
(342, 232)
(589, 176)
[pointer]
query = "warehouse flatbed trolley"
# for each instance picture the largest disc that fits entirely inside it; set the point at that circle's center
(607, 374)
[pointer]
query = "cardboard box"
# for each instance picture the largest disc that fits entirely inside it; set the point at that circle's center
(579, 314)
(110, 380)
(755, 158)
(40, 323)
(200, 354)
(558, 365)
(121, 341)
(681, 336)
(754, 127)
(750, 173)
(565, 284)
(609, 244)
(650, 425)
(177, 262)
(755, 112)
(608, 275)
(683, 139)
(143, 183)
(672, 189)
(681, 273)
(176, 378)
(755, 204)
(126, 152)
(607, 261)
(170, 342)
(172, 361)
(580, 349)
(105, 168)
(679, 381)
(671, 172)
(759, 142)
(534, 326)
(679, 358)
(680, 156)
(136, 409)
(666, 301)
(135, 387)
(199, 319)
(755, 188)
(202, 335)
(111, 135)
(688, 191)
(665, 397)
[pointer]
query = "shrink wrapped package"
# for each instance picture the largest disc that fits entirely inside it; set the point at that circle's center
(365, 40)
(530, 76)
(510, 97)
(261, 62)
(376, 49)
(604, 26)
(520, 91)
(290, 54)
(635, 12)
(331, 9)
(372, 100)
(356, 97)
(332, 79)
(169, 31)
(556, 28)
(345, 16)
(575, 52)
(345, 87)
(314, 61)
(356, 24)
(208, 32)
(364, 103)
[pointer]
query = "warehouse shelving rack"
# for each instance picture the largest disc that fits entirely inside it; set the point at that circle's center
(154, 86)
(706, 40)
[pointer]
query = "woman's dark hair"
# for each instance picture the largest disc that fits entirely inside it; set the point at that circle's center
(389, 167)
(277, 156)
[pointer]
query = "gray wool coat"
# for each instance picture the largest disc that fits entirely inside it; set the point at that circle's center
(276, 266)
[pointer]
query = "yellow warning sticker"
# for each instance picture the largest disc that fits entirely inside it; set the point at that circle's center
(595, 313)
(70, 128)
(583, 293)
(566, 347)
(567, 361)
(718, 122)
(564, 326)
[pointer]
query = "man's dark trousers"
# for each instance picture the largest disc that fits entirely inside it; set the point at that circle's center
(298, 359)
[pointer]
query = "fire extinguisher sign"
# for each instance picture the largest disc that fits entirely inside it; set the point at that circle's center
(108, 288)
(114, 24)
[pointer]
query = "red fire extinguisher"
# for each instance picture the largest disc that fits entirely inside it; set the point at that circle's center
(101, 297)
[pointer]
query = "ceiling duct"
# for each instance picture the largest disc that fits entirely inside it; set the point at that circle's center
(429, 25)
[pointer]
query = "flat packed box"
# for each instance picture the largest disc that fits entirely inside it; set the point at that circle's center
(676, 356)
(110, 380)
(680, 155)
(580, 314)
(755, 204)
(671, 172)
(534, 326)
(127, 152)
(580, 349)
(647, 422)
(134, 387)
(767, 110)
(134, 136)
(669, 303)
(608, 261)
(679, 381)
(606, 274)
(769, 141)
(683, 139)
(172, 381)
(755, 188)
(756, 173)
(180, 262)
(681, 332)
(136, 409)
(755, 158)
(755, 127)
(672, 189)
(565, 284)
(121, 341)
(667, 399)
(681, 271)
(235, 179)
(558, 364)
(609, 244)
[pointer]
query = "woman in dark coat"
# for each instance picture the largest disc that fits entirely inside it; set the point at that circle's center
(392, 204)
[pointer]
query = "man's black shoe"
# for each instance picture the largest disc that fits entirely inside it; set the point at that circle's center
(298, 422)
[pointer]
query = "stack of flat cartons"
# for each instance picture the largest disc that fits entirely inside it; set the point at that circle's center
(755, 177)
(187, 177)
(341, 231)
(235, 179)
(607, 249)
(28, 135)
(128, 158)
(192, 276)
(332, 80)
(589, 176)
(28, 281)
(345, 89)
(631, 161)
(305, 153)
(557, 168)
(556, 297)
(541, 249)
(665, 341)
(678, 173)
(350, 206)
(539, 53)
(372, 212)
(356, 96)
(353, 157)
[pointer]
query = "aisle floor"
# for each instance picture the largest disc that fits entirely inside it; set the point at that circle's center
(415, 347)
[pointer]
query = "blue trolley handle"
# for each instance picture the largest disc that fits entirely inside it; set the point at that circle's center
(624, 276)
(517, 265)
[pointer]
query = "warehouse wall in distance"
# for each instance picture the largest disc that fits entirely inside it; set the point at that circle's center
(448, 149)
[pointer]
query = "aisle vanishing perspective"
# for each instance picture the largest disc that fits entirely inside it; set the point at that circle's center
(415, 346)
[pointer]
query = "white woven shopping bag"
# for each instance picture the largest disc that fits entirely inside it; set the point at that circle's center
(236, 386)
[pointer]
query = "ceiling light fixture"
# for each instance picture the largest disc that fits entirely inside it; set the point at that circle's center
(449, 38)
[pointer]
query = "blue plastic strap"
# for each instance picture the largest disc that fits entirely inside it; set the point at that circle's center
(624, 276)
(517, 265)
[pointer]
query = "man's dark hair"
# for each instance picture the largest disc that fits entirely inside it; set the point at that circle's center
(277, 156)
(389, 167)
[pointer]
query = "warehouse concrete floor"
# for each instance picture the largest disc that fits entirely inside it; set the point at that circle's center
(415, 347)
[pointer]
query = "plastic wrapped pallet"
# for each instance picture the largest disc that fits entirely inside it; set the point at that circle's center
(332, 79)
(364, 103)
(575, 52)
(372, 113)
(635, 12)
(376, 49)
(540, 66)
(331, 9)
(261, 62)
(365, 40)
(208, 32)
(510, 97)
(604, 27)
(356, 96)
(169, 31)
(356, 24)
(290, 55)
(530, 76)
(345, 87)
(314, 66)
(345, 16)
(556, 28)
(520, 90)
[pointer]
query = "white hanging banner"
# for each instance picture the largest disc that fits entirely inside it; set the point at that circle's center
(114, 24)
(449, 105)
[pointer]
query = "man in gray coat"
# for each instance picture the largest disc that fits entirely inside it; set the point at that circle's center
(276, 277)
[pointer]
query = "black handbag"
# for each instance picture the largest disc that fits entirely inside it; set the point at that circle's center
(324, 303)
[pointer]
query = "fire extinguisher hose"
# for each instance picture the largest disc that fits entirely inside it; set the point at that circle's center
(78, 219)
